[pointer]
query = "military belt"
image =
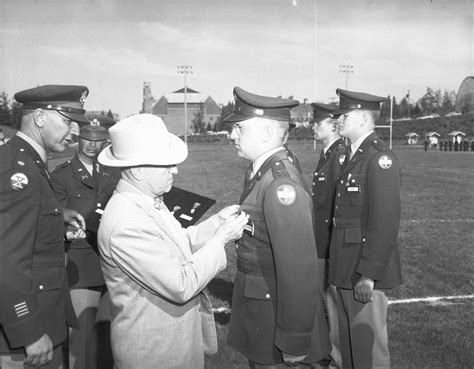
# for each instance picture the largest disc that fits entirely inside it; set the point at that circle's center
(249, 268)
(49, 261)
(345, 223)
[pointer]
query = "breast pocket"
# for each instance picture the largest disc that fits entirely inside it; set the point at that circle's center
(50, 228)
(256, 221)
(260, 288)
(355, 189)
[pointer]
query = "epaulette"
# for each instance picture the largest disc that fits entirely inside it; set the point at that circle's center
(379, 145)
(62, 165)
(279, 170)
(14, 159)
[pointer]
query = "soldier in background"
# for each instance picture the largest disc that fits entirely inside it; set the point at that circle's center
(450, 144)
(445, 145)
(325, 176)
(35, 306)
(364, 259)
(83, 184)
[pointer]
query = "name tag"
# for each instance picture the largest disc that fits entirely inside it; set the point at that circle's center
(250, 228)
(353, 189)
(321, 179)
(186, 217)
(99, 211)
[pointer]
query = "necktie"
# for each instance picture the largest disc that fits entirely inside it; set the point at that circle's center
(95, 171)
(159, 204)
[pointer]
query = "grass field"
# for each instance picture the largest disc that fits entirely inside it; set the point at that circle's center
(435, 239)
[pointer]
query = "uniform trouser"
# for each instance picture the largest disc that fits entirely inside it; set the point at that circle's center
(363, 330)
(328, 296)
(83, 342)
(15, 361)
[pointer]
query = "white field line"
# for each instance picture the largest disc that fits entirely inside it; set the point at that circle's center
(226, 310)
(460, 220)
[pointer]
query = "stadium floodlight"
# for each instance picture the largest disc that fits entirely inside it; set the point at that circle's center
(185, 70)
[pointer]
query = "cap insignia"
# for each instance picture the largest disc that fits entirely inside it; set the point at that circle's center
(95, 123)
(385, 162)
(21, 163)
(82, 100)
(286, 194)
(18, 181)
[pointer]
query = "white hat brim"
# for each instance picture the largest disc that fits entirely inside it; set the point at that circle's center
(176, 153)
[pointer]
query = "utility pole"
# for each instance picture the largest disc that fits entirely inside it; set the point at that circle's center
(185, 70)
(346, 69)
(408, 103)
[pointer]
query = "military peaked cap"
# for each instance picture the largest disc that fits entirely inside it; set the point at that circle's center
(93, 132)
(350, 100)
(322, 111)
(102, 120)
(68, 100)
(248, 105)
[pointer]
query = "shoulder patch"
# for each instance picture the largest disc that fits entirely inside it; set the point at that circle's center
(286, 194)
(385, 161)
(18, 181)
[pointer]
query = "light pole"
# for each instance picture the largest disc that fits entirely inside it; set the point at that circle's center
(346, 69)
(185, 70)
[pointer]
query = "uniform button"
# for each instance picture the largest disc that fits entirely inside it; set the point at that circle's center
(314, 183)
(312, 193)
(337, 207)
(267, 296)
(56, 210)
(363, 240)
(79, 195)
(99, 204)
(342, 182)
(327, 220)
(338, 194)
(41, 287)
(236, 246)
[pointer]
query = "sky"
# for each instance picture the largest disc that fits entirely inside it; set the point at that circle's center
(268, 47)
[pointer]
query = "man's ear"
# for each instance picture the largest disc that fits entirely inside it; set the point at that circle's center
(268, 132)
(364, 118)
(39, 117)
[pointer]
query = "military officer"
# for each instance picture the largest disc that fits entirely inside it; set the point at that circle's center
(35, 306)
(331, 158)
(274, 317)
(82, 184)
(364, 259)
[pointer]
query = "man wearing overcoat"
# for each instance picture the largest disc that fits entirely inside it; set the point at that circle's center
(364, 260)
(35, 306)
(275, 318)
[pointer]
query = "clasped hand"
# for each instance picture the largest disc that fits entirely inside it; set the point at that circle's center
(232, 225)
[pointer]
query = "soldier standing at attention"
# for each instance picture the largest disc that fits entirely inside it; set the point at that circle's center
(35, 306)
(364, 259)
(275, 318)
(325, 176)
(82, 184)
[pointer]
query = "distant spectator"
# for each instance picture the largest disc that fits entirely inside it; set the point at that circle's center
(426, 143)
(445, 145)
(465, 145)
(456, 145)
(450, 145)
(440, 145)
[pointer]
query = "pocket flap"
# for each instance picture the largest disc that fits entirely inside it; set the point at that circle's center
(46, 279)
(257, 287)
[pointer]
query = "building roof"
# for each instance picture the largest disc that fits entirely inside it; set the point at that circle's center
(456, 133)
(411, 134)
(429, 134)
(192, 96)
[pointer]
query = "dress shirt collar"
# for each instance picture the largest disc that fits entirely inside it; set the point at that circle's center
(355, 145)
(326, 148)
(261, 159)
(38, 148)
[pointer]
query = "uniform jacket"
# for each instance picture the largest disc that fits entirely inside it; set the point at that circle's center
(154, 271)
(324, 191)
(77, 189)
(33, 288)
(367, 218)
(274, 303)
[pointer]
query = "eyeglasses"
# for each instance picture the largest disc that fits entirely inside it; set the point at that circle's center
(238, 128)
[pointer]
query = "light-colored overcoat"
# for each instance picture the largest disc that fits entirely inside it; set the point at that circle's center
(154, 271)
